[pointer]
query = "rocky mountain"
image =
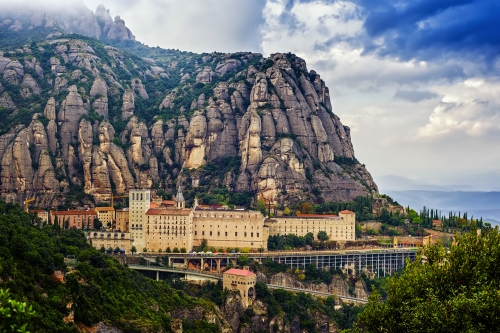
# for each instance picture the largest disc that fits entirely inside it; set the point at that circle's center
(84, 118)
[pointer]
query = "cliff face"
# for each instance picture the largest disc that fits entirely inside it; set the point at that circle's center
(84, 116)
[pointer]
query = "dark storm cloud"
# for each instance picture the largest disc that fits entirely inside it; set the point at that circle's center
(428, 29)
(414, 96)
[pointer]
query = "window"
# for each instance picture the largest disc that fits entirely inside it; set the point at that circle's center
(203, 233)
(236, 234)
(257, 234)
(225, 234)
(218, 233)
(245, 234)
(251, 234)
(196, 233)
(210, 233)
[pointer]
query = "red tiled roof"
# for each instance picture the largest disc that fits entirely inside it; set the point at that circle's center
(241, 272)
(153, 205)
(167, 202)
(317, 215)
(159, 211)
(74, 212)
(346, 212)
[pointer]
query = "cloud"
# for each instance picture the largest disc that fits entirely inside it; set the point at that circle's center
(194, 25)
(471, 108)
(414, 96)
(428, 29)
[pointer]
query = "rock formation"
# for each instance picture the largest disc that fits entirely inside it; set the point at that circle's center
(108, 121)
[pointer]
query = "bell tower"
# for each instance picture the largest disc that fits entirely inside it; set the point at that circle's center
(179, 201)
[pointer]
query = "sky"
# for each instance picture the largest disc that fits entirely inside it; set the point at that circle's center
(417, 81)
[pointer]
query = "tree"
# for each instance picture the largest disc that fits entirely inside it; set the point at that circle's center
(204, 244)
(97, 224)
(176, 250)
(102, 249)
(261, 206)
(456, 290)
(116, 250)
(306, 208)
(168, 250)
(183, 250)
(309, 238)
(323, 236)
(109, 250)
(145, 250)
(287, 211)
(14, 315)
(133, 249)
(243, 260)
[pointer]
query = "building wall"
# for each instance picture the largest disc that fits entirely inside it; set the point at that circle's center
(105, 215)
(240, 283)
(139, 201)
(340, 228)
(77, 219)
(122, 219)
(222, 229)
(169, 228)
(110, 239)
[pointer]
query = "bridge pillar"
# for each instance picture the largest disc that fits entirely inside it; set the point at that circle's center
(201, 264)
(218, 265)
(157, 275)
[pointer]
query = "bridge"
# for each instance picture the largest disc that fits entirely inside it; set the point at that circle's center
(206, 276)
(381, 262)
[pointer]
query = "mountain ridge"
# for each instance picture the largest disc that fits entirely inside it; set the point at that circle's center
(99, 120)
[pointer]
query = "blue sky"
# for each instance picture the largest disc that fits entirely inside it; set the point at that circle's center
(417, 81)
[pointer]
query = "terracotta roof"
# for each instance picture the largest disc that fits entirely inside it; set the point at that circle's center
(153, 205)
(167, 202)
(122, 210)
(156, 211)
(346, 212)
(104, 209)
(315, 216)
(240, 272)
(37, 211)
(74, 212)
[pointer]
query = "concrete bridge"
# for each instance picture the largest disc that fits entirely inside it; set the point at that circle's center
(383, 262)
(206, 276)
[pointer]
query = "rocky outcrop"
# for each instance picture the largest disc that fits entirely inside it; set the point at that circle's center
(72, 109)
(119, 31)
(112, 122)
(128, 104)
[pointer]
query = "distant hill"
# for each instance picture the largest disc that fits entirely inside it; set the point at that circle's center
(477, 204)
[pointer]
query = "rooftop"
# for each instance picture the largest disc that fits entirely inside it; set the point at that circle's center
(153, 205)
(159, 211)
(104, 209)
(346, 212)
(240, 272)
(74, 212)
(309, 216)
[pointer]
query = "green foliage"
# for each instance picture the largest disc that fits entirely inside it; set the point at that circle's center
(100, 288)
(14, 315)
(455, 290)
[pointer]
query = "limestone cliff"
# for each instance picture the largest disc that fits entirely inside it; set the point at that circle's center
(85, 117)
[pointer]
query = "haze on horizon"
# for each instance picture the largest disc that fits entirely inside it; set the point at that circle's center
(416, 81)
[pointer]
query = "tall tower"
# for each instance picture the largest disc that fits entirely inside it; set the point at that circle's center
(139, 202)
(179, 201)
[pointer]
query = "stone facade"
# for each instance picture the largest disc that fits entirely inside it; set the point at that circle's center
(230, 228)
(42, 214)
(171, 228)
(77, 219)
(242, 280)
(122, 219)
(338, 228)
(105, 215)
(110, 239)
(139, 202)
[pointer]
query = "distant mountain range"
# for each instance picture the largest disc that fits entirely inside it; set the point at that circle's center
(477, 204)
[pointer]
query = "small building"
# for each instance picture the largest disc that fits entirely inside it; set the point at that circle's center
(242, 280)
(437, 224)
(106, 215)
(42, 214)
(122, 219)
(110, 239)
(76, 219)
